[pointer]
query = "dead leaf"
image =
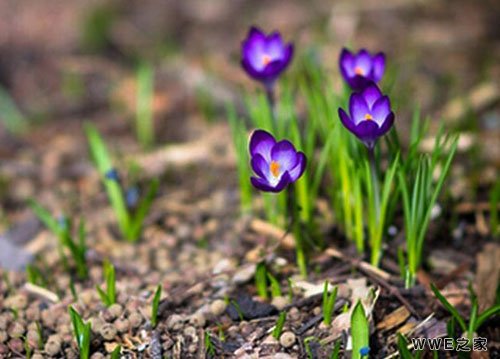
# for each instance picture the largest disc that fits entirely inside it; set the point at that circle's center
(394, 319)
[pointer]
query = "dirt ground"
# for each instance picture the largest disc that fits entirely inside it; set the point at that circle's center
(65, 63)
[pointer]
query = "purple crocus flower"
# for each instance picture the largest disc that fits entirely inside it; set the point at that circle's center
(370, 115)
(362, 68)
(265, 57)
(276, 164)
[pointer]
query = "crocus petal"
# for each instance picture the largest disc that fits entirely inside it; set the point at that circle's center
(274, 46)
(285, 155)
(358, 83)
(346, 64)
(253, 51)
(251, 70)
(386, 125)
(284, 181)
(358, 108)
(261, 184)
(364, 62)
(346, 120)
(260, 166)
(367, 131)
(299, 168)
(262, 143)
(371, 94)
(378, 67)
(265, 186)
(381, 109)
(256, 33)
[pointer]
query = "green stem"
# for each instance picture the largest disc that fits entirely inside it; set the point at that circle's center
(375, 181)
(293, 210)
(271, 100)
(375, 255)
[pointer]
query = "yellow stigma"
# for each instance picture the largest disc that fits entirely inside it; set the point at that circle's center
(266, 59)
(274, 167)
(358, 70)
(368, 117)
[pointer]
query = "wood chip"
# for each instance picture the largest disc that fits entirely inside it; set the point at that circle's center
(268, 229)
(487, 275)
(41, 292)
(394, 319)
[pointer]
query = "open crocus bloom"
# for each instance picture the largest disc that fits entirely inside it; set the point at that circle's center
(370, 115)
(362, 68)
(276, 164)
(265, 57)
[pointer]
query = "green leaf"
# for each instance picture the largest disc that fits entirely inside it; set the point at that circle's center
(144, 102)
(156, 303)
(142, 211)
(404, 352)
(82, 333)
(486, 315)
(279, 325)
(103, 295)
(336, 350)
(275, 286)
(46, 217)
(261, 280)
(109, 271)
(116, 352)
(359, 330)
(328, 303)
(102, 159)
(451, 309)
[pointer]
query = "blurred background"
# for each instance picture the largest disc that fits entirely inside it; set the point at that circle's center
(65, 62)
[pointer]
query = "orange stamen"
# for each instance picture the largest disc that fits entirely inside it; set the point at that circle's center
(274, 167)
(358, 70)
(368, 117)
(266, 59)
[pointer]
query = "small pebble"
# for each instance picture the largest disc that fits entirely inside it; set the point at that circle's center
(293, 314)
(16, 330)
(53, 345)
(97, 356)
(48, 318)
(245, 274)
(317, 310)
(4, 321)
(174, 322)
(246, 329)
(108, 331)
(287, 339)
(115, 310)
(270, 340)
(3, 336)
(190, 332)
(16, 345)
(218, 307)
(86, 297)
(18, 301)
(233, 330)
(33, 313)
(70, 353)
(198, 320)
(33, 338)
(96, 324)
(135, 319)
(122, 325)
(280, 302)
(37, 356)
(282, 356)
